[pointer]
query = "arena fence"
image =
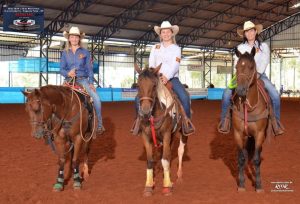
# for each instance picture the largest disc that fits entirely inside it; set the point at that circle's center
(14, 95)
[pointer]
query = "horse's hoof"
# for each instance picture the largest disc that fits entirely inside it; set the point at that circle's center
(260, 190)
(76, 185)
(58, 187)
(179, 180)
(167, 191)
(148, 191)
(241, 189)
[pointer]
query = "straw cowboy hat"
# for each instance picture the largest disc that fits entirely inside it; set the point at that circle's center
(166, 24)
(249, 25)
(73, 31)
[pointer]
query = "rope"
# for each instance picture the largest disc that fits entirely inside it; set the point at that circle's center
(80, 123)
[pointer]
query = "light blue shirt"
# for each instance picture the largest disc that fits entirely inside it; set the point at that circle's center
(169, 57)
(262, 55)
(80, 60)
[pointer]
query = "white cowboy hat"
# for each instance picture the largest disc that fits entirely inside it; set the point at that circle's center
(249, 25)
(73, 31)
(166, 24)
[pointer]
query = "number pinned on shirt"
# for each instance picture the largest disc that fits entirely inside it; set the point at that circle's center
(178, 59)
(80, 56)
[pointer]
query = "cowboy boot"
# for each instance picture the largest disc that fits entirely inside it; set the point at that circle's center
(136, 126)
(225, 125)
(187, 126)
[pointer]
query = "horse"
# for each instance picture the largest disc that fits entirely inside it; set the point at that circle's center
(157, 126)
(250, 113)
(57, 114)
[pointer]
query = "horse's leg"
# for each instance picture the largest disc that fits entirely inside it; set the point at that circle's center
(257, 160)
(59, 185)
(85, 162)
(182, 143)
(75, 162)
(68, 166)
(166, 158)
(148, 191)
(242, 158)
(60, 149)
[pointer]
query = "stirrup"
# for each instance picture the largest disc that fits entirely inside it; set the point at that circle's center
(278, 129)
(224, 127)
(136, 126)
(187, 127)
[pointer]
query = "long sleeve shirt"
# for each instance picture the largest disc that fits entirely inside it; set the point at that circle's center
(80, 60)
(169, 57)
(262, 55)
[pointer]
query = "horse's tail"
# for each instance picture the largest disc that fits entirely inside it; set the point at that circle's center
(250, 147)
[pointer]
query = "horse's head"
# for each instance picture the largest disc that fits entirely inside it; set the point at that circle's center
(39, 110)
(147, 83)
(245, 71)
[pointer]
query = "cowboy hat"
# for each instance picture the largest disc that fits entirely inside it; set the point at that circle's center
(249, 25)
(73, 31)
(166, 24)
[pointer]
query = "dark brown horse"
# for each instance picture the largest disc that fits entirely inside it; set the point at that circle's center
(157, 127)
(58, 115)
(250, 117)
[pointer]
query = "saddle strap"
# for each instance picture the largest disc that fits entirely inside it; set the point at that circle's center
(252, 118)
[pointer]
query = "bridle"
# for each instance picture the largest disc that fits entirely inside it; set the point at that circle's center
(40, 123)
(152, 100)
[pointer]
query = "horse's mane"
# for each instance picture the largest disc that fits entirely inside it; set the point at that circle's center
(147, 73)
(54, 93)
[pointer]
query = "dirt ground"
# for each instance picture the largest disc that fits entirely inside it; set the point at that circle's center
(118, 162)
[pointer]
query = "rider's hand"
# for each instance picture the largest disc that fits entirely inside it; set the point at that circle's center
(163, 79)
(72, 73)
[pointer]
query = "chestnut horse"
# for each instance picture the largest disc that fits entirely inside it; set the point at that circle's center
(157, 126)
(57, 114)
(250, 117)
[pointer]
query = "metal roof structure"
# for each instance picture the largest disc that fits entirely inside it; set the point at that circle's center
(203, 23)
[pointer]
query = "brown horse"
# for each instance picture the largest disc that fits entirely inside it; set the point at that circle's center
(250, 117)
(57, 114)
(157, 126)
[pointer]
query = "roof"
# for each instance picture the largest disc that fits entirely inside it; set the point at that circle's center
(211, 23)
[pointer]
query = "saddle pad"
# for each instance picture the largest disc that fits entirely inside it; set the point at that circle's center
(165, 97)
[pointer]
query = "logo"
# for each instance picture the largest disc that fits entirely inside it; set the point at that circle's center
(282, 186)
(24, 22)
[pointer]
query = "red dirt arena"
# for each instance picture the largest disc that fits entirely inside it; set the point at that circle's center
(118, 162)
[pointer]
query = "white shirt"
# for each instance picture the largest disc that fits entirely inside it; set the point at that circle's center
(262, 55)
(169, 57)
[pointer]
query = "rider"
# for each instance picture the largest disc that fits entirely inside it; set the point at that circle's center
(168, 53)
(76, 63)
(250, 34)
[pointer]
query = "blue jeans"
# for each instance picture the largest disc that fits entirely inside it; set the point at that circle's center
(96, 100)
(226, 102)
(273, 93)
(182, 94)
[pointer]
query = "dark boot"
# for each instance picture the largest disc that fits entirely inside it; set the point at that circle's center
(225, 124)
(136, 126)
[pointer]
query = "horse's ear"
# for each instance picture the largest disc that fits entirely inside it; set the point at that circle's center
(253, 51)
(137, 68)
(156, 70)
(237, 52)
(25, 93)
(37, 92)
